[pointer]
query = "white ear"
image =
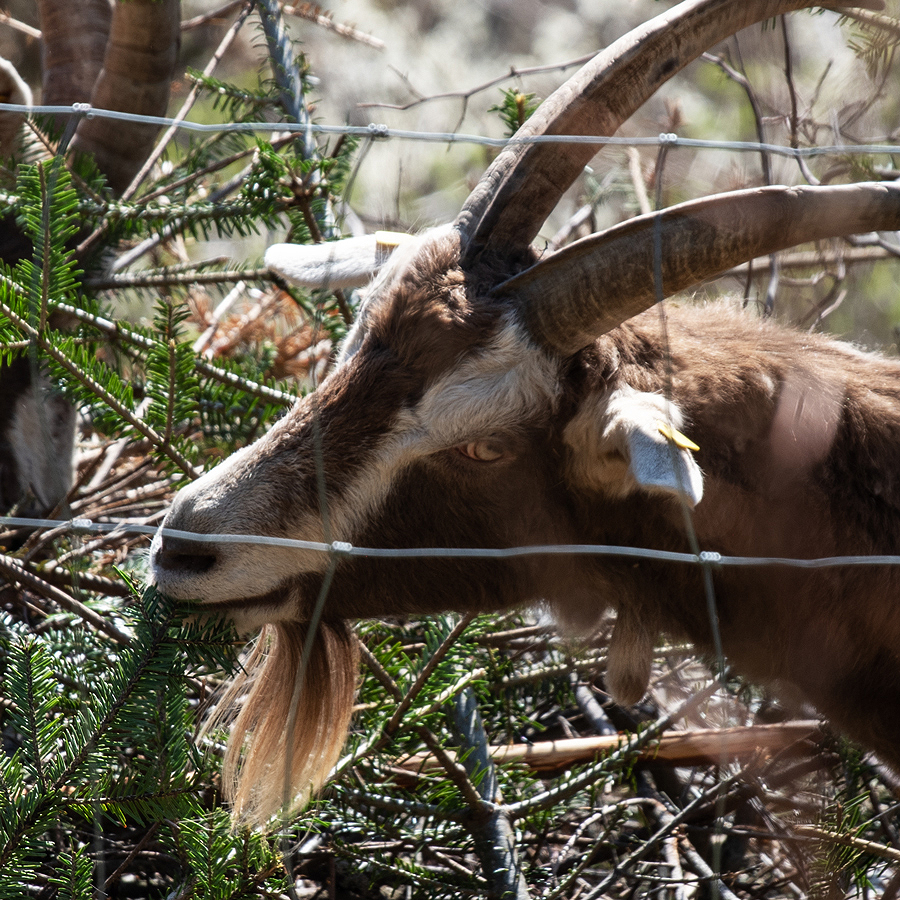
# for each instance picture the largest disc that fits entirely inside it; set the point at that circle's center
(346, 263)
(630, 441)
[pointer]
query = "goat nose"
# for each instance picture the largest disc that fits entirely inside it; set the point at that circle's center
(182, 555)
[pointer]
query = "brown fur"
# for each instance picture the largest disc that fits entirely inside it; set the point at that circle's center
(799, 441)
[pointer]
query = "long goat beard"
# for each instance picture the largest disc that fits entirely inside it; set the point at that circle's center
(294, 714)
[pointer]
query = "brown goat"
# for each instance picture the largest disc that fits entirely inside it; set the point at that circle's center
(117, 56)
(489, 399)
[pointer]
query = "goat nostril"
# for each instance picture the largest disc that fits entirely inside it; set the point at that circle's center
(183, 556)
(195, 563)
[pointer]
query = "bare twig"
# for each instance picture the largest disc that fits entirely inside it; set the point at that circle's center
(848, 840)
(312, 12)
(466, 95)
(17, 572)
(212, 16)
(638, 182)
(677, 748)
(32, 32)
(792, 91)
(808, 259)
(188, 104)
(668, 824)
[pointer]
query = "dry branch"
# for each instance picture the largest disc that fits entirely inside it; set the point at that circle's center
(677, 748)
(312, 12)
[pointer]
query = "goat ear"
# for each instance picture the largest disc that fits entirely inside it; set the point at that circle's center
(630, 441)
(346, 263)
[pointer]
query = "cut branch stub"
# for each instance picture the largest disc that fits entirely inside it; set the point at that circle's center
(595, 284)
(514, 197)
(138, 68)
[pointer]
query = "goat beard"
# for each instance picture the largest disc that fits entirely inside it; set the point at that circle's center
(293, 718)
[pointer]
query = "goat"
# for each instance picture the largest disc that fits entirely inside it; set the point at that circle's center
(487, 397)
(37, 427)
(116, 56)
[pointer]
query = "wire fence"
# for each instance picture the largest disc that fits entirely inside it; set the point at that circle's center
(347, 549)
(381, 132)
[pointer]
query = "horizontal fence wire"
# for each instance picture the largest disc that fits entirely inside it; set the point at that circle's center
(344, 548)
(384, 132)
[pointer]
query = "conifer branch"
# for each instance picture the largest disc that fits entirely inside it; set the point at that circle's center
(118, 331)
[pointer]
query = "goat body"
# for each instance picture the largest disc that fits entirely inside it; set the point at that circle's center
(486, 398)
(799, 440)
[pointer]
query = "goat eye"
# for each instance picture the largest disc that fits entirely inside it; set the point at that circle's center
(481, 451)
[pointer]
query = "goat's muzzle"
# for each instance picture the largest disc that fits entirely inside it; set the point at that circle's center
(182, 556)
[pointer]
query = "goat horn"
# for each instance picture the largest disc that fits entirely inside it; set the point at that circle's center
(138, 67)
(525, 182)
(572, 297)
(73, 45)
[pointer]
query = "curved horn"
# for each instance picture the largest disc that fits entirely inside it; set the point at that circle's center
(572, 297)
(525, 182)
(73, 46)
(137, 74)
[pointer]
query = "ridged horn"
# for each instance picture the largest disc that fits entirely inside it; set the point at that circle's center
(572, 297)
(73, 45)
(138, 67)
(525, 182)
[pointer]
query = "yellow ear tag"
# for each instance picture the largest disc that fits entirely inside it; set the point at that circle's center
(676, 437)
(389, 240)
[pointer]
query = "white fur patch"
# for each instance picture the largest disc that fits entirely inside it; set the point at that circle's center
(504, 385)
(233, 498)
(618, 447)
(41, 437)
